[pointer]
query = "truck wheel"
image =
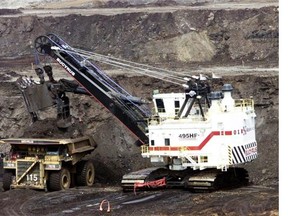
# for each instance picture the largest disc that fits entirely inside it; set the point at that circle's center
(85, 173)
(7, 180)
(60, 180)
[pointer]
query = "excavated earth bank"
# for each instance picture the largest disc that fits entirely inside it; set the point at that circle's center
(240, 45)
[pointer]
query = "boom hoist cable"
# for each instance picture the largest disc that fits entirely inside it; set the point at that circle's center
(177, 78)
(147, 70)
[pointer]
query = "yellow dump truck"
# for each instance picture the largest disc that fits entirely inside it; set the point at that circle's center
(48, 164)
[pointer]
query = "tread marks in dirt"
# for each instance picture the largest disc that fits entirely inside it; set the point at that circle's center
(251, 200)
(79, 201)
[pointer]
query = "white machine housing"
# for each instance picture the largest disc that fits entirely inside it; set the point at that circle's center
(223, 137)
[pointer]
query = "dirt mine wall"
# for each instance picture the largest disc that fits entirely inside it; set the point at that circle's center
(186, 36)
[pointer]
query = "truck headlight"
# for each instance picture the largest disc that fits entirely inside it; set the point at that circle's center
(52, 166)
(9, 164)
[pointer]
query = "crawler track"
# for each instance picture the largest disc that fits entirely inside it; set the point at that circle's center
(196, 181)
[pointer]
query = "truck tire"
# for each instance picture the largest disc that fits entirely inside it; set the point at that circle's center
(85, 173)
(60, 180)
(7, 180)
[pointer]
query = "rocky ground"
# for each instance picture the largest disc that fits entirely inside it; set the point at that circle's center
(241, 45)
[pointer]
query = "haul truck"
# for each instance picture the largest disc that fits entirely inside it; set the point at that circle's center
(196, 138)
(50, 164)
